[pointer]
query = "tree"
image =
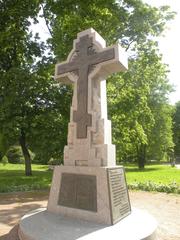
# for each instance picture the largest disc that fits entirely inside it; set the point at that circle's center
(138, 107)
(34, 111)
(31, 104)
(114, 20)
(17, 53)
(176, 129)
(4, 145)
(130, 111)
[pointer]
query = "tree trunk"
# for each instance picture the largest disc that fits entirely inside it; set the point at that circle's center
(22, 141)
(141, 156)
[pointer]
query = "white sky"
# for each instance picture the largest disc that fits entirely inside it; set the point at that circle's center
(170, 46)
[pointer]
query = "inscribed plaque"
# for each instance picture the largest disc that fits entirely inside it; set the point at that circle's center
(78, 191)
(119, 198)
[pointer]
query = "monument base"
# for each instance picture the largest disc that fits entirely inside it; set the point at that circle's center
(43, 225)
(97, 194)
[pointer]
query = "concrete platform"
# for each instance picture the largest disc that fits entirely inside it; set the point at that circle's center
(42, 225)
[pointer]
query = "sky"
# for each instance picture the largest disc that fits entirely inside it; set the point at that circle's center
(170, 46)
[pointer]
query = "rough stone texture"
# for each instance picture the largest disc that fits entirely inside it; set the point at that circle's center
(89, 130)
(103, 214)
(42, 225)
(64, 197)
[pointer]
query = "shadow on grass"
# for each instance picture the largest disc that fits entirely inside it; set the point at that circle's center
(22, 171)
(141, 170)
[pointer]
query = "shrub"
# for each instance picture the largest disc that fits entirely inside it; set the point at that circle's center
(158, 187)
(54, 161)
(41, 159)
(4, 160)
(15, 155)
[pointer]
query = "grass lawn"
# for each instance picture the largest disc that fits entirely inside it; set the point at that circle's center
(156, 173)
(12, 178)
(160, 178)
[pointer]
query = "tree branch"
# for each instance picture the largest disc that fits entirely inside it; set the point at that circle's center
(129, 45)
(46, 20)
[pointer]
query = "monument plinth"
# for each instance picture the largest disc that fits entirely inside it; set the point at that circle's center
(89, 192)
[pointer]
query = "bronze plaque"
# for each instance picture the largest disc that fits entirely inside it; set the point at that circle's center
(78, 191)
(119, 197)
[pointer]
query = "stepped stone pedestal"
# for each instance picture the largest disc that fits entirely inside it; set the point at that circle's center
(89, 197)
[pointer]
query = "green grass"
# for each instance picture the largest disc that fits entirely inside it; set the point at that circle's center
(162, 178)
(12, 178)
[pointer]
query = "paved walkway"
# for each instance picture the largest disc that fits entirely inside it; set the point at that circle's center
(164, 207)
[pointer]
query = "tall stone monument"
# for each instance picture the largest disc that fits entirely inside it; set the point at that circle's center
(88, 195)
(90, 186)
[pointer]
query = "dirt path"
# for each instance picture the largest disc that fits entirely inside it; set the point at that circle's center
(164, 207)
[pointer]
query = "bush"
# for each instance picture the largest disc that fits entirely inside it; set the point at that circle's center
(41, 159)
(54, 161)
(4, 160)
(15, 155)
(158, 187)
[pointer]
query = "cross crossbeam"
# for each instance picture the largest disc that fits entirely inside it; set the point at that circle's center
(81, 64)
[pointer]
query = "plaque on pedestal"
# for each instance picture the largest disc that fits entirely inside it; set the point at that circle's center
(119, 197)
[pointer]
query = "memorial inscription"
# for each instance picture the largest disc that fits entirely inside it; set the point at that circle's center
(78, 191)
(119, 197)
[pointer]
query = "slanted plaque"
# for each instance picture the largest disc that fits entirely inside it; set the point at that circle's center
(78, 191)
(119, 198)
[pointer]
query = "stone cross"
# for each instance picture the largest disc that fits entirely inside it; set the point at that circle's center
(87, 65)
(89, 185)
(84, 60)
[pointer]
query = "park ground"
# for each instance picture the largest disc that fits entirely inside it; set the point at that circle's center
(20, 194)
(164, 207)
(155, 177)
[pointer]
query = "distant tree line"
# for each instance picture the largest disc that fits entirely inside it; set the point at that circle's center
(34, 111)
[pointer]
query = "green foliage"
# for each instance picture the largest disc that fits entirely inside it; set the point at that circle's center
(176, 129)
(154, 187)
(156, 173)
(3, 145)
(129, 94)
(55, 161)
(159, 178)
(115, 21)
(15, 155)
(36, 110)
(12, 178)
(142, 125)
(161, 137)
(4, 160)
